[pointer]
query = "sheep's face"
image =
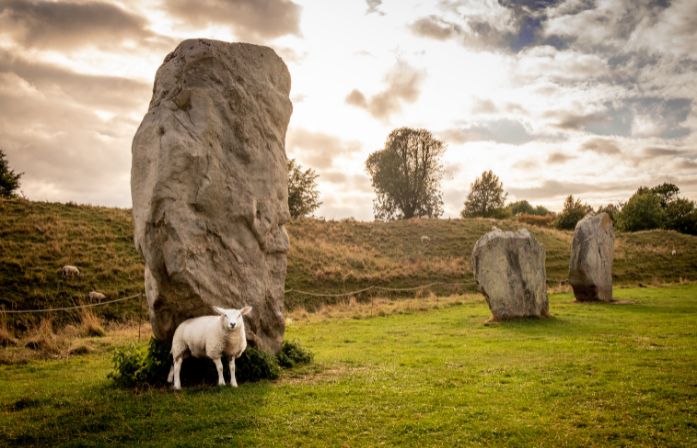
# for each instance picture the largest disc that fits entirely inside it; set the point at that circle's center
(231, 317)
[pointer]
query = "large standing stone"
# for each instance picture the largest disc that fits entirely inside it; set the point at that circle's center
(590, 265)
(209, 187)
(509, 268)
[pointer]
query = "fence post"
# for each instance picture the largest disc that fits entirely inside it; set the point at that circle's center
(140, 314)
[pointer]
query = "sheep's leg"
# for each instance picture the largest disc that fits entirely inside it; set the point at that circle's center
(233, 380)
(177, 369)
(170, 375)
(219, 366)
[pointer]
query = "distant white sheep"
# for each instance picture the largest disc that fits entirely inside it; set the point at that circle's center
(212, 337)
(425, 239)
(95, 296)
(69, 271)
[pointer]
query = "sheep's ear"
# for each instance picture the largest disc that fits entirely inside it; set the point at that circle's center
(219, 310)
(246, 310)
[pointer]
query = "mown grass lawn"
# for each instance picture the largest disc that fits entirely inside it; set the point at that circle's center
(593, 375)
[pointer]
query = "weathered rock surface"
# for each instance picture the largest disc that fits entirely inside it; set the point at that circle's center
(209, 187)
(590, 265)
(509, 268)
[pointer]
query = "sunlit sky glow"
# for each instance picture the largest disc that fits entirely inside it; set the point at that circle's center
(593, 98)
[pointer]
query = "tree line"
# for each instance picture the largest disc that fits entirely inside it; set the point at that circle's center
(406, 175)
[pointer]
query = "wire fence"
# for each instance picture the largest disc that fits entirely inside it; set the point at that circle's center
(372, 288)
(71, 308)
(287, 291)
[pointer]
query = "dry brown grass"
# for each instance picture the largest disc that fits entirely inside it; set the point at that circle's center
(43, 339)
(90, 324)
(42, 342)
(350, 308)
(6, 336)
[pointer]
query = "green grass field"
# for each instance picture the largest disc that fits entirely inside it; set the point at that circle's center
(592, 375)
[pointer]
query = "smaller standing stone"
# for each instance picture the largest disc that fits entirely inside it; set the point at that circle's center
(590, 266)
(509, 268)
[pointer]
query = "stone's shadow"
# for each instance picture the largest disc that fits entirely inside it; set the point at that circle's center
(603, 302)
(103, 409)
(546, 321)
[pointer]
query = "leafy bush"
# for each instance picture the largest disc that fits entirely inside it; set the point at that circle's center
(643, 211)
(292, 354)
(486, 198)
(681, 215)
(303, 194)
(573, 212)
(137, 367)
(536, 220)
(256, 365)
(147, 366)
(660, 206)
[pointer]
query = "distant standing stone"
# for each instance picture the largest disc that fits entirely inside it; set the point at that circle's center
(590, 265)
(209, 183)
(509, 268)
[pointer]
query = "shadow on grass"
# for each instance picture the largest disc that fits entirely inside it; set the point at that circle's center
(105, 415)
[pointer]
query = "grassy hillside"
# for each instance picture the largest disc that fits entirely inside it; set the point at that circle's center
(592, 375)
(37, 238)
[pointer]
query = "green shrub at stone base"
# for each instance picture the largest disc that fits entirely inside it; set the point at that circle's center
(138, 367)
(292, 355)
(148, 366)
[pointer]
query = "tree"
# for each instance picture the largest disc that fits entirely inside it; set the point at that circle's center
(519, 207)
(681, 215)
(525, 207)
(9, 180)
(486, 197)
(303, 195)
(612, 210)
(642, 211)
(574, 210)
(406, 175)
(542, 211)
(667, 192)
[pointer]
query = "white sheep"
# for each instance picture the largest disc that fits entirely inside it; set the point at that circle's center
(425, 239)
(69, 271)
(210, 336)
(95, 296)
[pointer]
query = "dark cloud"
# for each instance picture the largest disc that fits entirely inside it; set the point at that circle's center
(601, 146)
(255, 19)
(611, 121)
(654, 152)
(356, 98)
(500, 131)
(513, 26)
(666, 115)
(473, 33)
(552, 188)
(556, 158)
(317, 148)
(373, 6)
(527, 164)
(350, 182)
(435, 27)
(65, 150)
(687, 165)
(403, 83)
(625, 26)
(64, 25)
(484, 106)
(103, 92)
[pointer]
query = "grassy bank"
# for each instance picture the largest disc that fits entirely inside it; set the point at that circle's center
(592, 375)
(37, 238)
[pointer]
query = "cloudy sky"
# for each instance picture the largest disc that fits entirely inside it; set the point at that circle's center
(593, 98)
